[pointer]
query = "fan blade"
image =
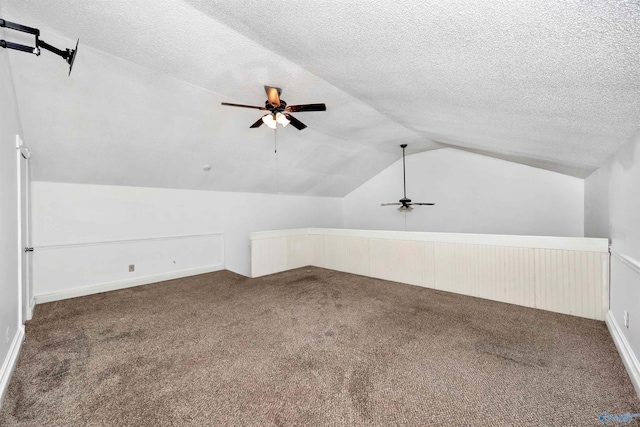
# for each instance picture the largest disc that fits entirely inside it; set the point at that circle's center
(390, 204)
(257, 124)
(244, 106)
(422, 204)
(273, 95)
(306, 107)
(295, 122)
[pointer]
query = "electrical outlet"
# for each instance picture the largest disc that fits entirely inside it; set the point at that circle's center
(626, 319)
(7, 335)
(132, 267)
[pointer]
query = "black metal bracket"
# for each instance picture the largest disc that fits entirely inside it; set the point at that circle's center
(69, 55)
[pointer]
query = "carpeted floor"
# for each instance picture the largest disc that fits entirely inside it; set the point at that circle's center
(310, 347)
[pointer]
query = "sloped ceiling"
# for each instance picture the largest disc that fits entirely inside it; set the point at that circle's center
(550, 84)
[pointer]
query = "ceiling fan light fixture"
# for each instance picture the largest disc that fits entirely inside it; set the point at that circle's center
(269, 121)
(279, 110)
(282, 119)
(405, 208)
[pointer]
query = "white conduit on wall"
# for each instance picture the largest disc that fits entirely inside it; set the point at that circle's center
(564, 275)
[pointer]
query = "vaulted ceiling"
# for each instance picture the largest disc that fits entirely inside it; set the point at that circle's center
(549, 84)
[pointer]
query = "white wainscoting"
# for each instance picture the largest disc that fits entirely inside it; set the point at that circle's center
(564, 275)
(71, 270)
(286, 251)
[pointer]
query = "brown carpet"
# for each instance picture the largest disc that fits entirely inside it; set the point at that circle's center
(310, 347)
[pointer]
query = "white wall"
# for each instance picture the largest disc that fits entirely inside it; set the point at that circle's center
(612, 200)
(473, 194)
(65, 215)
(612, 209)
(9, 285)
(596, 203)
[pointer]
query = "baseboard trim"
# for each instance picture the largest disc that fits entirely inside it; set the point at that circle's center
(32, 307)
(626, 353)
(10, 361)
(122, 284)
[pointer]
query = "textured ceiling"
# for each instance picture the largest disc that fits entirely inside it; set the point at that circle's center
(550, 84)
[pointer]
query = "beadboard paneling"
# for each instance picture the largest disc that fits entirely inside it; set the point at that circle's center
(566, 277)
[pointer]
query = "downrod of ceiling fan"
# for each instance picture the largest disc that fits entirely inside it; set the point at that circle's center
(404, 176)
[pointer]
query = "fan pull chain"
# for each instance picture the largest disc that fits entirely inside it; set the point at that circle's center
(405, 221)
(275, 150)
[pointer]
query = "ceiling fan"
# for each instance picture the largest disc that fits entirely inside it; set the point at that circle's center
(405, 203)
(279, 110)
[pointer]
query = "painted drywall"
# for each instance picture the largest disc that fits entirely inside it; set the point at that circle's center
(70, 214)
(612, 201)
(67, 271)
(540, 81)
(9, 286)
(612, 209)
(473, 194)
(596, 204)
(119, 121)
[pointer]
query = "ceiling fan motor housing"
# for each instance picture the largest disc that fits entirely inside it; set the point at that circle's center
(273, 108)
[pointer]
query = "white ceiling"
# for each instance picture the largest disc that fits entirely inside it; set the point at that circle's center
(550, 84)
